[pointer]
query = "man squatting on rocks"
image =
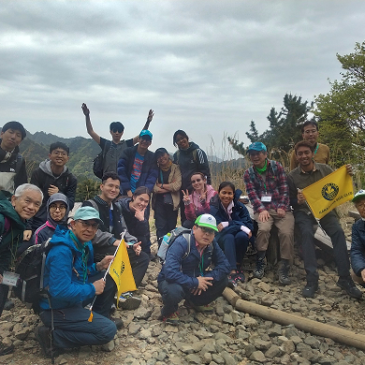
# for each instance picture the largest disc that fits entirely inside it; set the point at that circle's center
(186, 277)
(24, 204)
(73, 280)
(267, 187)
(307, 173)
(108, 235)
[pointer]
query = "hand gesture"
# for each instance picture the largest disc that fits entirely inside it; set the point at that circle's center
(349, 170)
(52, 190)
(85, 110)
(150, 116)
(204, 283)
(99, 286)
(281, 212)
(139, 214)
(203, 196)
(264, 216)
(186, 197)
(104, 263)
(300, 197)
(129, 193)
(137, 248)
(27, 234)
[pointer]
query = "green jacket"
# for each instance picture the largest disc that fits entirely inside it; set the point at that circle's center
(10, 239)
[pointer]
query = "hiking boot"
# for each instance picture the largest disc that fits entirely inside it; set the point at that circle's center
(173, 319)
(6, 349)
(347, 284)
(128, 301)
(259, 272)
(199, 308)
(240, 276)
(43, 335)
(283, 273)
(118, 322)
(309, 290)
(232, 281)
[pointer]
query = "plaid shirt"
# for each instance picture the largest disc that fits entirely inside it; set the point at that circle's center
(276, 186)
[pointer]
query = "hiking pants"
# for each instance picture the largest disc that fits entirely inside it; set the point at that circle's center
(234, 247)
(173, 293)
(165, 219)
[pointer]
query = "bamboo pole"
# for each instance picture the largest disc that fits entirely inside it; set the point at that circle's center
(316, 328)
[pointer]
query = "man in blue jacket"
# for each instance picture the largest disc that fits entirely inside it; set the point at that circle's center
(184, 274)
(358, 240)
(73, 280)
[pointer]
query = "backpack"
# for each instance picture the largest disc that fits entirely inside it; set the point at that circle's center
(30, 266)
(98, 162)
(170, 238)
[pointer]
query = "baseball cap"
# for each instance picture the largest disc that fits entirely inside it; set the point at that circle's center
(360, 194)
(145, 133)
(207, 220)
(257, 146)
(87, 213)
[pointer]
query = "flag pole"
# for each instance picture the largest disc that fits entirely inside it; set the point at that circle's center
(106, 273)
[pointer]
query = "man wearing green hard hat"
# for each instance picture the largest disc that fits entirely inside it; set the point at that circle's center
(184, 274)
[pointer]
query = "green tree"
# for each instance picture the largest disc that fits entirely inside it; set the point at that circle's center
(284, 128)
(86, 189)
(341, 112)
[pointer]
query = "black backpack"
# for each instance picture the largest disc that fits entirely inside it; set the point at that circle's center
(98, 163)
(30, 266)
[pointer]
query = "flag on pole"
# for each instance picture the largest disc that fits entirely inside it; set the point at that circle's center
(121, 271)
(329, 192)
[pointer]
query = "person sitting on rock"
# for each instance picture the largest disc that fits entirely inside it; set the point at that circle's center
(358, 240)
(108, 235)
(184, 274)
(24, 204)
(73, 280)
(267, 187)
(307, 173)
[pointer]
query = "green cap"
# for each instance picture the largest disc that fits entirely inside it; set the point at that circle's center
(360, 194)
(207, 220)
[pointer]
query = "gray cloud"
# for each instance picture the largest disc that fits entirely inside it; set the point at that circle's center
(209, 67)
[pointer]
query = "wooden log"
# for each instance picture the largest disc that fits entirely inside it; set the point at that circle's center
(316, 328)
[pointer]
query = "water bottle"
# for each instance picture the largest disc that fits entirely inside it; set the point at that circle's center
(164, 246)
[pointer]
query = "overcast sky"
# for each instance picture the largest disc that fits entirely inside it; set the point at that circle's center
(207, 67)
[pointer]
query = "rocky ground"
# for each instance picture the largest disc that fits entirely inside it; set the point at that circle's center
(226, 336)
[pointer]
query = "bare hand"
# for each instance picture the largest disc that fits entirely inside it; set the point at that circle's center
(150, 116)
(104, 263)
(27, 234)
(52, 190)
(137, 248)
(349, 170)
(99, 286)
(139, 214)
(264, 216)
(129, 193)
(203, 196)
(1, 278)
(281, 212)
(300, 197)
(186, 197)
(204, 282)
(250, 235)
(85, 109)
(196, 291)
(362, 275)
(220, 227)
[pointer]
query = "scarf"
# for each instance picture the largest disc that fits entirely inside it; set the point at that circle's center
(262, 169)
(166, 168)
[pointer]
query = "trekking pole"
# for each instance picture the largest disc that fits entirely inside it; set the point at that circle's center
(104, 278)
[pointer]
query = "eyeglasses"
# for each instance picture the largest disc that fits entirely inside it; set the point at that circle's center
(87, 224)
(360, 206)
(207, 230)
(308, 131)
(57, 206)
(197, 180)
(117, 131)
(59, 153)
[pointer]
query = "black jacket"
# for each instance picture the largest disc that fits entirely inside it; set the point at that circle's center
(12, 172)
(43, 178)
(149, 169)
(192, 160)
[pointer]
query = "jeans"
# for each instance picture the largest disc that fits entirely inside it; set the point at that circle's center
(332, 227)
(173, 293)
(165, 219)
(234, 247)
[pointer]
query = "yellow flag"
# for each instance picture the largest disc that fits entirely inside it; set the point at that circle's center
(329, 192)
(121, 271)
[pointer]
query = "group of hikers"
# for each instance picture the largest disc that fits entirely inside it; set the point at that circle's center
(199, 264)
